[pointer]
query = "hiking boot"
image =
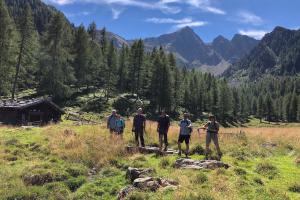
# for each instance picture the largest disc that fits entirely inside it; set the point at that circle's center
(186, 154)
(166, 149)
(179, 153)
(220, 156)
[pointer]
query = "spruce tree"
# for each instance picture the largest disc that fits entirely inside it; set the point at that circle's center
(7, 38)
(27, 47)
(56, 73)
(110, 71)
(82, 58)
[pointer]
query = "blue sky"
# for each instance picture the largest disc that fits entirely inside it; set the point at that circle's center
(133, 19)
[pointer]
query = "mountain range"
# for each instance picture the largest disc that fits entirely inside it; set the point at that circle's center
(278, 53)
(241, 57)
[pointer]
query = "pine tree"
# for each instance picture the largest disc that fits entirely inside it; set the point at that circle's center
(293, 107)
(27, 47)
(268, 104)
(7, 37)
(92, 31)
(225, 101)
(82, 58)
(260, 108)
(56, 73)
(123, 69)
(110, 71)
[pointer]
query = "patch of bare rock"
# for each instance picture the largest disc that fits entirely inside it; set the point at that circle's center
(185, 163)
(142, 180)
(150, 150)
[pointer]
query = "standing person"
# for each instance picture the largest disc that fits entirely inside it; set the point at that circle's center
(139, 127)
(212, 129)
(120, 125)
(185, 134)
(163, 125)
(111, 121)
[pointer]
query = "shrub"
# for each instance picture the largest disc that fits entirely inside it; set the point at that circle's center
(198, 149)
(138, 196)
(200, 196)
(164, 163)
(295, 187)
(267, 169)
(75, 183)
(200, 178)
(76, 171)
(258, 180)
(240, 171)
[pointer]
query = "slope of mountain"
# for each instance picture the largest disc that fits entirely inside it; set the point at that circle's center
(233, 50)
(42, 13)
(186, 44)
(191, 51)
(278, 53)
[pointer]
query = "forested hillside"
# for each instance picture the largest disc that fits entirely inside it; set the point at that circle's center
(278, 53)
(63, 60)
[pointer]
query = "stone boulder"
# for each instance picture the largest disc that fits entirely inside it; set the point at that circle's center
(125, 191)
(150, 150)
(199, 164)
(134, 173)
(147, 183)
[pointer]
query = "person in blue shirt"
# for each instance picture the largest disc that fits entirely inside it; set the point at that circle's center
(120, 125)
(185, 134)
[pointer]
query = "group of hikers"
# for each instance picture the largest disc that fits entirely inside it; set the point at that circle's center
(116, 124)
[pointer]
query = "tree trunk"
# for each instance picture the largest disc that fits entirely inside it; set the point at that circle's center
(17, 70)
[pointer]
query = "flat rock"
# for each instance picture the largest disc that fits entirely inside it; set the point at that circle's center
(134, 173)
(199, 164)
(125, 191)
(150, 150)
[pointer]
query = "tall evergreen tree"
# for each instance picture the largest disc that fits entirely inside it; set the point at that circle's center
(56, 73)
(110, 71)
(7, 37)
(27, 47)
(82, 58)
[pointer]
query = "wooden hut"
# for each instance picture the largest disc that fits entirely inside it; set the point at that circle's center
(39, 111)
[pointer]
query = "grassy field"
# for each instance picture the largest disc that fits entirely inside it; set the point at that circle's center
(55, 162)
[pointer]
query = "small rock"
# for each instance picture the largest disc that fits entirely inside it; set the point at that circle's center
(125, 191)
(269, 145)
(203, 164)
(134, 173)
(147, 183)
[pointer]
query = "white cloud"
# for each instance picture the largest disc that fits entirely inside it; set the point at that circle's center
(257, 34)
(249, 18)
(178, 23)
(116, 13)
(204, 5)
(166, 6)
(84, 13)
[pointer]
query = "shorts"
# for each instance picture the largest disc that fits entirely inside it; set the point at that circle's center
(211, 136)
(185, 138)
(112, 130)
(120, 130)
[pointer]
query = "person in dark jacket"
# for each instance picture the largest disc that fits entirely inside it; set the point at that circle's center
(139, 127)
(163, 125)
(185, 134)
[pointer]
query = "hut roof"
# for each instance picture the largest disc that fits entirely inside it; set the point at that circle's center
(23, 104)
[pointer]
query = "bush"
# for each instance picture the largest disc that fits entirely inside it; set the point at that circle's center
(198, 149)
(267, 169)
(76, 171)
(295, 187)
(75, 183)
(164, 163)
(200, 178)
(240, 171)
(200, 196)
(138, 196)
(258, 181)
